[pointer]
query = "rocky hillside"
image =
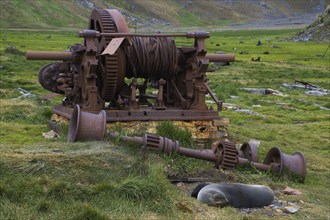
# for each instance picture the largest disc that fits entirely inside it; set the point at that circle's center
(319, 30)
(143, 13)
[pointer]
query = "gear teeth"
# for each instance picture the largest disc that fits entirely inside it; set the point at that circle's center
(111, 66)
(229, 153)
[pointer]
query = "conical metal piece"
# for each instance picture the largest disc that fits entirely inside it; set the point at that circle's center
(86, 126)
(249, 150)
(283, 163)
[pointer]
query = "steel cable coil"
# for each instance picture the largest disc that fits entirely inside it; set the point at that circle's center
(151, 57)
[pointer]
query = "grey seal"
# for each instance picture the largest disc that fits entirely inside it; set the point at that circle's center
(234, 194)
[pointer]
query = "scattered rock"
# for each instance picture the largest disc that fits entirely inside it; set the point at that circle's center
(13, 50)
(274, 46)
(234, 97)
(291, 209)
(322, 107)
(314, 90)
(247, 111)
(256, 106)
(264, 91)
(86, 4)
(246, 210)
(10, 49)
(316, 93)
(282, 103)
(278, 210)
(239, 109)
(290, 191)
(224, 121)
(50, 134)
(25, 94)
(243, 52)
(1, 67)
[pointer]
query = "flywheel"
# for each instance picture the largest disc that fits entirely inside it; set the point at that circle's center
(111, 68)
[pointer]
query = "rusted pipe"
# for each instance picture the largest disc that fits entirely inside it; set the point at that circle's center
(168, 146)
(207, 155)
(220, 57)
(263, 167)
(45, 55)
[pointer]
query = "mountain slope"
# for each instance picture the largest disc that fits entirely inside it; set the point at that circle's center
(74, 14)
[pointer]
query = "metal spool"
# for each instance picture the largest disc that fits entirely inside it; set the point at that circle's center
(249, 151)
(151, 57)
(294, 163)
(111, 68)
(86, 125)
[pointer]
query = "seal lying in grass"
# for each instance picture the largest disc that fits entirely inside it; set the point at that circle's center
(233, 194)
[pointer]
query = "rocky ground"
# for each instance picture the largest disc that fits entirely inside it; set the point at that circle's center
(319, 30)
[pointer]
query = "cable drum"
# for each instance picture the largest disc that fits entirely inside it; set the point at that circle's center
(151, 57)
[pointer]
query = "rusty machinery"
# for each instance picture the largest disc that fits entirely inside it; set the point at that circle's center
(225, 155)
(114, 70)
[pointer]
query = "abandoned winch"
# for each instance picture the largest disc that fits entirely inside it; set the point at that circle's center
(116, 71)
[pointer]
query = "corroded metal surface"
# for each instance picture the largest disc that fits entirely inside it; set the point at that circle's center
(111, 69)
(285, 164)
(227, 154)
(92, 74)
(249, 150)
(224, 154)
(86, 125)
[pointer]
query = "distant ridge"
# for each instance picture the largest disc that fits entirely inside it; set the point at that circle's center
(74, 14)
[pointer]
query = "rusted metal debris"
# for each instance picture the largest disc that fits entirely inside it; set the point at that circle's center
(95, 74)
(86, 125)
(225, 155)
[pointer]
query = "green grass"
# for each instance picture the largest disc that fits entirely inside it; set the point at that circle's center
(53, 179)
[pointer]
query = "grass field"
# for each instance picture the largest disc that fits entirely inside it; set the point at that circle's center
(53, 179)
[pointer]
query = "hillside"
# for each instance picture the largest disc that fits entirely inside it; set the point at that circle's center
(319, 30)
(29, 14)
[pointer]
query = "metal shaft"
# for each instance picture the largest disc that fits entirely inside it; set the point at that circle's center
(207, 155)
(115, 35)
(259, 166)
(220, 57)
(42, 55)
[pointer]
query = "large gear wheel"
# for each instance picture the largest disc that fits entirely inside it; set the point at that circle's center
(227, 153)
(111, 68)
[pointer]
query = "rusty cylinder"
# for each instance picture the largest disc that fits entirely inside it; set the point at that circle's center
(220, 57)
(46, 55)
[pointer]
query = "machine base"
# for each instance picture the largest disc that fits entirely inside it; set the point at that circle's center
(147, 114)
